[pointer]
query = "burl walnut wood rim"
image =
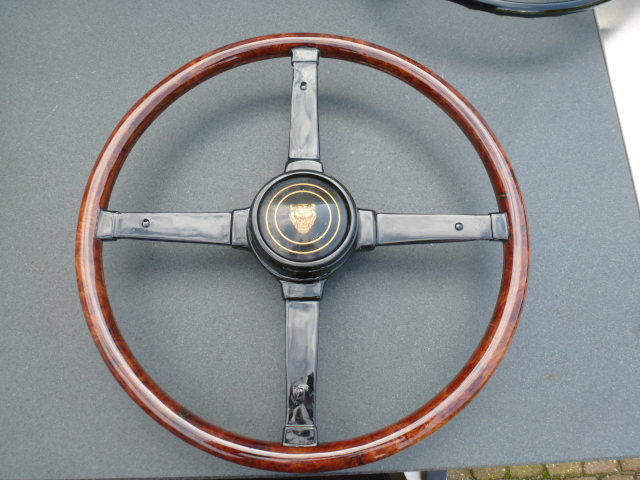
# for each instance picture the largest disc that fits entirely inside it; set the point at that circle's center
(267, 455)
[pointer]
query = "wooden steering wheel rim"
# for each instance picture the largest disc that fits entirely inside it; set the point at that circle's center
(269, 455)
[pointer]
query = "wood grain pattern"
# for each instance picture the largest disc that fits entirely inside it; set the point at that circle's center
(267, 455)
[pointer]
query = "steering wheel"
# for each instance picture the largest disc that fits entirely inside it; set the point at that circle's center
(523, 8)
(302, 226)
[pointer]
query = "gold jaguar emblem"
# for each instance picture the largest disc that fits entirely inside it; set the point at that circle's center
(302, 216)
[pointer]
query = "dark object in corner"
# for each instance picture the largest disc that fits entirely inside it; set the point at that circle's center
(530, 9)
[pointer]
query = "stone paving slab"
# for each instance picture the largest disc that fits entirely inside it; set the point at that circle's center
(494, 473)
(630, 464)
(607, 466)
(623, 469)
(619, 477)
(573, 469)
(527, 471)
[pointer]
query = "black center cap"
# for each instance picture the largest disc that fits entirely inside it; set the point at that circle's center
(303, 218)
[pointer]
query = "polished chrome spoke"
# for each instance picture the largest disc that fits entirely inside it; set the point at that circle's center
(399, 229)
(302, 306)
(304, 141)
(302, 359)
(213, 228)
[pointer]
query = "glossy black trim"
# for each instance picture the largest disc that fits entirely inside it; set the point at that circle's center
(400, 229)
(529, 9)
(367, 230)
(313, 165)
(302, 360)
(302, 291)
(304, 142)
(499, 226)
(214, 228)
(239, 236)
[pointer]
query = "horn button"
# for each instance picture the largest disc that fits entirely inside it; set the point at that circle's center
(303, 222)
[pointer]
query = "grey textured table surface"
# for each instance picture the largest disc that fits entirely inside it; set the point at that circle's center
(396, 324)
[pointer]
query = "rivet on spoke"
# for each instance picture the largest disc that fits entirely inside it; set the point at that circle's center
(303, 86)
(146, 223)
(459, 227)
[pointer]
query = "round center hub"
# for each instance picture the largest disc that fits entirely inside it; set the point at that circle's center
(304, 218)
